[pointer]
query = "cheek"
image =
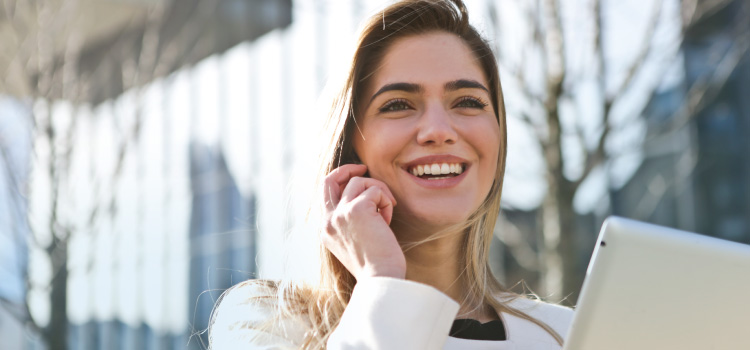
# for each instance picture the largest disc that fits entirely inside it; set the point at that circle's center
(364, 140)
(377, 146)
(384, 136)
(487, 140)
(357, 144)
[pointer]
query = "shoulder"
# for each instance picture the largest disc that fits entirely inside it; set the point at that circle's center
(245, 303)
(528, 334)
(556, 316)
(248, 314)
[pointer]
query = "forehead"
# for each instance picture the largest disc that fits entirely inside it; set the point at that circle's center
(428, 59)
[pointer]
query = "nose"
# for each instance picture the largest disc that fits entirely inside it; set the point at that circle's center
(436, 127)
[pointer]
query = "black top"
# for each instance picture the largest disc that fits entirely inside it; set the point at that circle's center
(472, 329)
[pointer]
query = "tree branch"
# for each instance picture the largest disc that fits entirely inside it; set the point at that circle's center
(706, 88)
(657, 189)
(643, 53)
(596, 156)
(554, 58)
(20, 313)
(694, 11)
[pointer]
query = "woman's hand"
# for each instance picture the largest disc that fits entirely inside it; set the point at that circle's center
(358, 212)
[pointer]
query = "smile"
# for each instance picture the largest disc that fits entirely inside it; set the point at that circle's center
(437, 171)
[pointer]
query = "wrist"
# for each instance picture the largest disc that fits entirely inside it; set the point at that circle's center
(383, 271)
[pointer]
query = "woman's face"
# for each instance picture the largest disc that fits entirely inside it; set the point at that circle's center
(428, 129)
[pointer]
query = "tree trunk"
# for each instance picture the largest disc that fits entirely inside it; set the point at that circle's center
(56, 333)
(558, 232)
(559, 259)
(549, 254)
(568, 241)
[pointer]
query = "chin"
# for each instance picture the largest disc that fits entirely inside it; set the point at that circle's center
(431, 219)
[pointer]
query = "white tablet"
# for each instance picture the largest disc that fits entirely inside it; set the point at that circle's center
(651, 287)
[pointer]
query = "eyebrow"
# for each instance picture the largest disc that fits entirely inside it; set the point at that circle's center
(406, 87)
(412, 88)
(464, 84)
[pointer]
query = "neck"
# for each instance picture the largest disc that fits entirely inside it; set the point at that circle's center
(437, 263)
(433, 261)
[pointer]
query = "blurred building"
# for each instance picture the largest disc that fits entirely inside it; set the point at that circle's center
(15, 150)
(159, 224)
(222, 234)
(696, 174)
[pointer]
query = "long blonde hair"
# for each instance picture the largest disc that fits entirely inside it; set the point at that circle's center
(322, 305)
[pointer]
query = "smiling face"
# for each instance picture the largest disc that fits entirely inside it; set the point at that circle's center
(429, 131)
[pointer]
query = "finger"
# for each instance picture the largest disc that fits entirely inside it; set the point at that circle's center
(357, 185)
(386, 211)
(335, 182)
(381, 201)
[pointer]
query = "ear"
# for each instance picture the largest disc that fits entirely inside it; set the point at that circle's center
(355, 157)
(350, 157)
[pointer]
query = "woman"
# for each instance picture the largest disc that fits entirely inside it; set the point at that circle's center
(411, 190)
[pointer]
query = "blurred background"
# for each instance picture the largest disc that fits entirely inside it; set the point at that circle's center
(155, 152)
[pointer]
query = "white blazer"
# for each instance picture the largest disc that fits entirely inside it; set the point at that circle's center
(383, 313)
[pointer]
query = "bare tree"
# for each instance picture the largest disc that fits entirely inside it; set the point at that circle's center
(551, 40)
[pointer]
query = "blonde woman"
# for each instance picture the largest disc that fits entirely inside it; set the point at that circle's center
(411, 190)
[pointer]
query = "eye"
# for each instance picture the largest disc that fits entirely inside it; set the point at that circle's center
(395, 105)
(470, 102)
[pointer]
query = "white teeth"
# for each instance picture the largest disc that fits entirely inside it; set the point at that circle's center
(435, 169)
(445, 169)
